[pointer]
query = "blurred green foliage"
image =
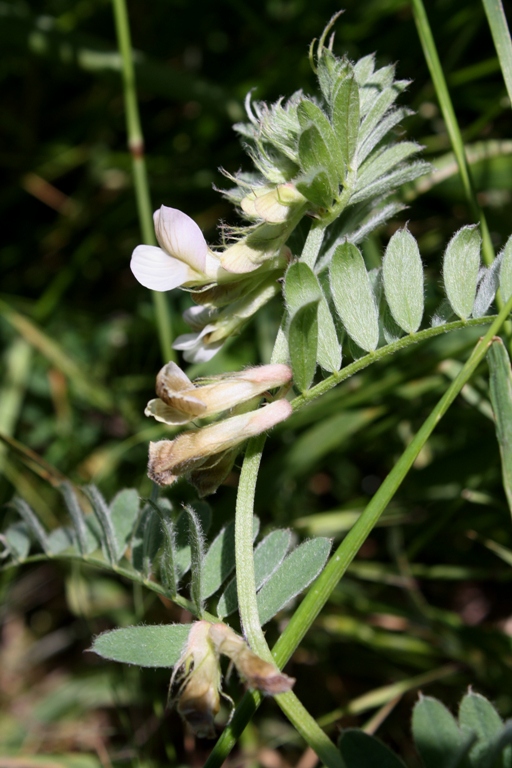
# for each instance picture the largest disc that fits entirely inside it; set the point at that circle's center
(80, 354)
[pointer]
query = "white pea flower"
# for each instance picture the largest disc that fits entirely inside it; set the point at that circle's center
(183, 258)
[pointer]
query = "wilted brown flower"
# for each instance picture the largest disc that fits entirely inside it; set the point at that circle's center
(170, 459)
(199, 695)
(257, 672)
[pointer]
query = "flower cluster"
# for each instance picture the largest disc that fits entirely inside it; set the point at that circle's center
(227, 286)
(199, 694)
(332, 158)
(205, 456)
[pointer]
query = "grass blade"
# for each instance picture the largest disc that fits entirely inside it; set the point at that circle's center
(500, 381)
(452, 126)
(501, 36)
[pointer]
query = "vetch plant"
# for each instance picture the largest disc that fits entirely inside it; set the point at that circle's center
(478, 739)
(327, 168)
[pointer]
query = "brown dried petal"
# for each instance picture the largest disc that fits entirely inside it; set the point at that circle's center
(198, 697)
(257, 672)
(198, 704)
(174, 388)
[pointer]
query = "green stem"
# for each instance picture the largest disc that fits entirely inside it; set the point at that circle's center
(445, 102)
(309, 729)
(140, 176)
(358, 365)
(322, 588)
(347, 550)
(501, 36)
(248, 606)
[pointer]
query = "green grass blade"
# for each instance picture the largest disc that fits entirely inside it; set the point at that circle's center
(501, 36)
(500, 381)
(92, 391)
(445, 102)
(343, 556)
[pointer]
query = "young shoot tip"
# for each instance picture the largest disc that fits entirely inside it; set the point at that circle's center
(321, 42)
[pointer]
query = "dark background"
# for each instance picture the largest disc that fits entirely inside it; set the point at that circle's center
(81, 353)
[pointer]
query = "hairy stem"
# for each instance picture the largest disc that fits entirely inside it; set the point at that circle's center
(372, 357)
(248, 605)
(245, 580)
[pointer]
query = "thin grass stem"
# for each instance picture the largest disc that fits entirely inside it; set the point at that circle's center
(502, 42)
(140, 175)
(452, 126)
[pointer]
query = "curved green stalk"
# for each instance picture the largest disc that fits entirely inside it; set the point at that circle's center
(140, 176)
(372, 357)
(245, 579)
(347, 550)
(248, 606)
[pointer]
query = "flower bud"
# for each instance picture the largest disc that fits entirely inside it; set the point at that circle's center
(274, 205)
(180, 400)
(169, 459)
(265, 242)
(220, 325)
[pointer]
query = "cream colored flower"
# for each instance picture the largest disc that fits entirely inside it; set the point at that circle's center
(170, 459)
(263, 244)
(275, 205)
(180, 401)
